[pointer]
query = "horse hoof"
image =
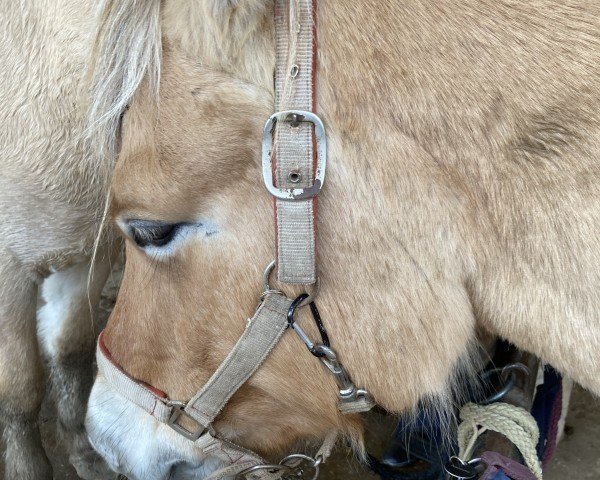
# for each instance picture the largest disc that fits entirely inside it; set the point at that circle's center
(90, 466)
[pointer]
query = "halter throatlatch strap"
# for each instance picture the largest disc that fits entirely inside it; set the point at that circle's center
(295, 147)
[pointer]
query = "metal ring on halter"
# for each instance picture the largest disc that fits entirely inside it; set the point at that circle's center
(300, 459)
(267, 285)
(508, 375)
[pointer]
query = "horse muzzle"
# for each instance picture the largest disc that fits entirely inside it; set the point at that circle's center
(136, 445)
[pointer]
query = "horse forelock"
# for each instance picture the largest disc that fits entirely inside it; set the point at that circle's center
(128, 46)
(126, 50)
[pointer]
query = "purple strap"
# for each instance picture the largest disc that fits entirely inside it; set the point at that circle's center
(499, 464)
(553, 428)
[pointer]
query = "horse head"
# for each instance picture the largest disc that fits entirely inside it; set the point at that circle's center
(408, 249)
(188, 196)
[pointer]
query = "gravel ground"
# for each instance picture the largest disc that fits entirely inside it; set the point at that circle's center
(577, 457)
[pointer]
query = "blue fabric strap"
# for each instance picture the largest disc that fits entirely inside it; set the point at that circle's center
(500, 476)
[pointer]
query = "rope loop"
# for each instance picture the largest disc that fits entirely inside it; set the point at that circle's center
(515, 423)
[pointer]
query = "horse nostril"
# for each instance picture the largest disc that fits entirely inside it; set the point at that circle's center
(147, 233)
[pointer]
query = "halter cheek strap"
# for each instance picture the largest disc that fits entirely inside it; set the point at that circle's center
(260, 336)
(297, 158)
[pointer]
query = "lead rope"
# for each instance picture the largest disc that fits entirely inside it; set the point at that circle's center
(515, 423)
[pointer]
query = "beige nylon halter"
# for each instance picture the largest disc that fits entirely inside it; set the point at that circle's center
(262, 333)
(294, 161)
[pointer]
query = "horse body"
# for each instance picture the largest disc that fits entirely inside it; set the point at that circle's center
(52, 194)
(461, 193)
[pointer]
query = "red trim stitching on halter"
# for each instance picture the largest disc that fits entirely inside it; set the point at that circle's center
(155, 391)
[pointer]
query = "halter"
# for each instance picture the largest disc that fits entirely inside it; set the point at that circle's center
(293, 167)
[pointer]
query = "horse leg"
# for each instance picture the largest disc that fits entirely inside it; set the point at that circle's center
(67, 332)
(22, 379)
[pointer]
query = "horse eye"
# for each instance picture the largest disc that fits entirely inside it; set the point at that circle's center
(147, 233)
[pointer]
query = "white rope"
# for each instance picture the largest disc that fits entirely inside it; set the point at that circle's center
(515, 423)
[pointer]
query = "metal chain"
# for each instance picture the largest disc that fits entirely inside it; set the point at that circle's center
(348, 392)
(293, 467)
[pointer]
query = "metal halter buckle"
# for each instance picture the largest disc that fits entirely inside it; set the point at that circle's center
(179, 411)
(294, 118)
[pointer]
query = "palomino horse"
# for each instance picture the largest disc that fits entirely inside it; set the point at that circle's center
(52, 194)
(462, 193)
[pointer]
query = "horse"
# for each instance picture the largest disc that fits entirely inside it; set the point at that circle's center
(462, 195)
(53, 185)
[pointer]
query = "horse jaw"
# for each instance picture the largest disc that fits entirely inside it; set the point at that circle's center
(141, 447)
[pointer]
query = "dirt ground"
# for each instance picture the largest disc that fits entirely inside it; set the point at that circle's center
(577, 457)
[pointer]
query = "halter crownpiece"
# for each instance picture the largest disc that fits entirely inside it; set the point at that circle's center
(298, 158)
(293, 164)
(294, 161)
